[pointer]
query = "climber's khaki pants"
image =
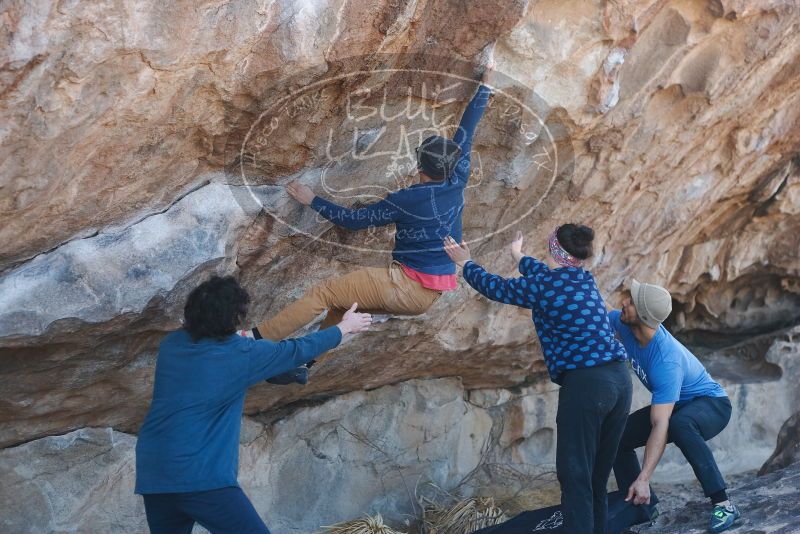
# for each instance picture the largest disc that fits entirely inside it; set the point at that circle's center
(375, 289)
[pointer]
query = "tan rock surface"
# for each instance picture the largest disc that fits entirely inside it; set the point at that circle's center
(678, 124)
(368, 452)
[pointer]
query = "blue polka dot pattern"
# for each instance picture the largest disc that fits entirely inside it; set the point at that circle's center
(568, 312)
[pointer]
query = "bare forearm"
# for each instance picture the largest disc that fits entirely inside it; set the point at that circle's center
(654, 449)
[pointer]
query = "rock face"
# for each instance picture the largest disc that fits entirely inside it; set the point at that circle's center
(81, 481)
(357, 452)
(768, 504)
(362, 452)
(143, 146)
(788, 449)
(131, 127)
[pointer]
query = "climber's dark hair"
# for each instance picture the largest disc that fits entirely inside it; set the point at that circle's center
(215, 308)
(576, 239)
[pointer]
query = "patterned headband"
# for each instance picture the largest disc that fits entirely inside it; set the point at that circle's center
(562, 257)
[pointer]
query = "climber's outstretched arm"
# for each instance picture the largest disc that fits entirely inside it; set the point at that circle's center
(527, 265)
(469, 123)
(378, 214)
(470, 119)
(269, 358)
(516, 291)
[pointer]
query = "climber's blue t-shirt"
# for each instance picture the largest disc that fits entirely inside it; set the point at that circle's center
(190, 438)
(425, 213)
(665, 367)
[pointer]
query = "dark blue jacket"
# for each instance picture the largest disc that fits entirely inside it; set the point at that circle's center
(424, 214)
(190, 438)
(568, 312)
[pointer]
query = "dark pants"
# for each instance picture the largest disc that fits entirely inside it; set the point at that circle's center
(692, 424)
(593, 404)
(225, 510)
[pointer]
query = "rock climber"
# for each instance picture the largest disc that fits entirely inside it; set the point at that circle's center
(582, 356)
(187, 454)
(423, 214)
(687, 408)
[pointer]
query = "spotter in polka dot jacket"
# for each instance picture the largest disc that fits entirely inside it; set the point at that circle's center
(568, 312)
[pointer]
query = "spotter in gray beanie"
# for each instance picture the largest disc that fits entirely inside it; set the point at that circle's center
(437, 157)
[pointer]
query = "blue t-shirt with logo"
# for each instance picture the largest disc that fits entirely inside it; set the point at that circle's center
(665, 367)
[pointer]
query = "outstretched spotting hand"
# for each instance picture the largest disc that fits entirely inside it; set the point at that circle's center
(301, 193)
(458, 253)
(516, 247)
(639, 492)
(353, 322)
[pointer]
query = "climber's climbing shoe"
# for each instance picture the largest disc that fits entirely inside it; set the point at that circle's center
(723, 518)
(295, 376)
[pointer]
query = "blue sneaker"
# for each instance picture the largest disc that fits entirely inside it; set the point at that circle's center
(295, 376)
(653, 512)
(723, 518)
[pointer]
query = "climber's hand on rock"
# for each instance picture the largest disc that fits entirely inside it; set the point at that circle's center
(353, 321)
(301, 193)
(516, 247)
(639, 492)
(458, 253)
(489, 63)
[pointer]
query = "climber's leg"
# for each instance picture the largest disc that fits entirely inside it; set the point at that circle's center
(376, 290)
(223, 511)
(690, 427)
(164, 515)
(333, 317)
